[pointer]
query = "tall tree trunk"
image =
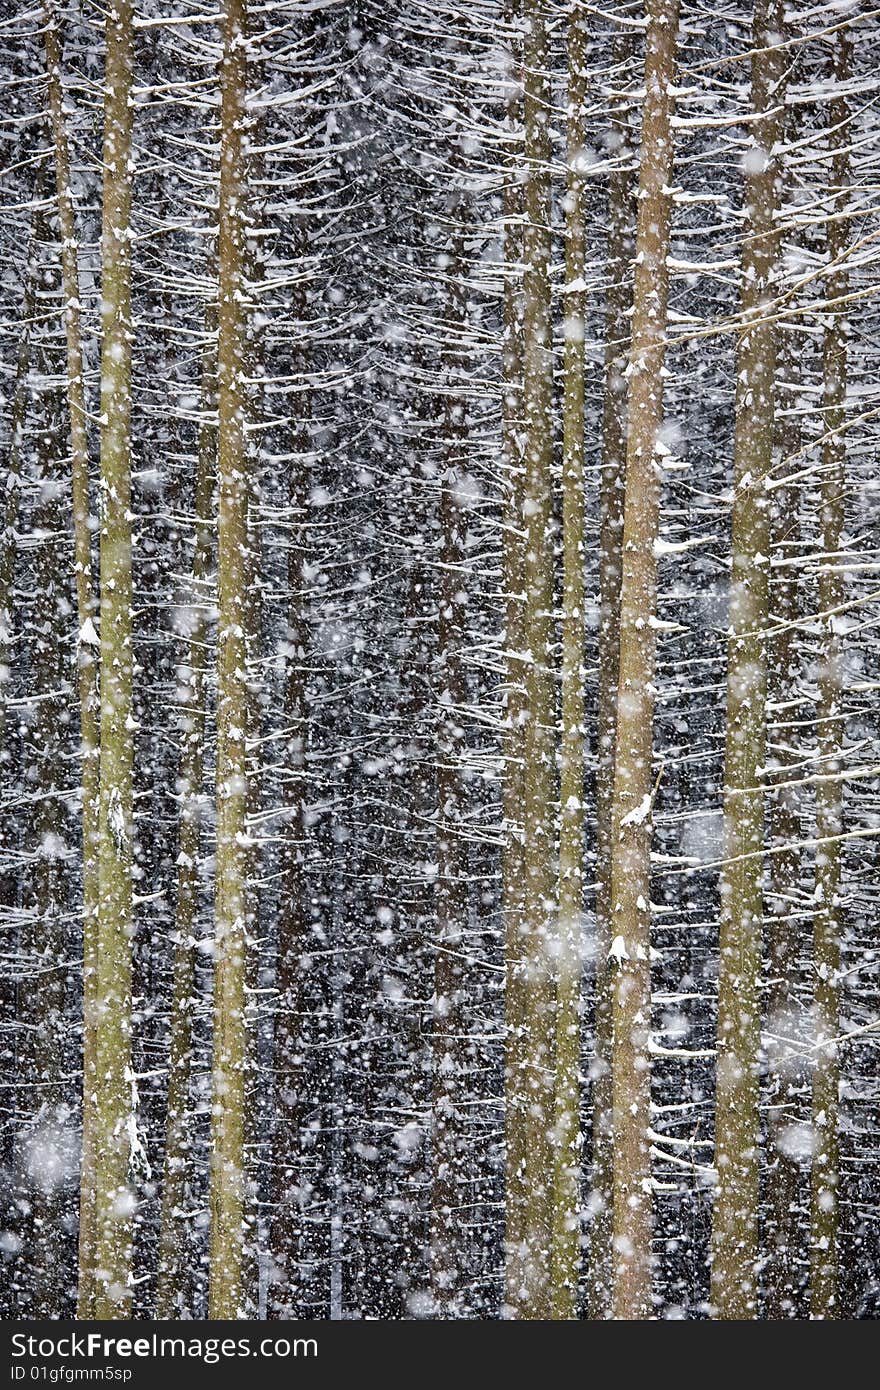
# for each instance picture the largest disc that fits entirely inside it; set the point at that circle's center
(513, 551)
(632, 800)
(824, 1298)
(253, 369)
(113, 1118)
(530, 1094)
(86, 599)
(737, 1121)
(567, 1129)
(230, 1032)
(174, 1252)
(621, 249)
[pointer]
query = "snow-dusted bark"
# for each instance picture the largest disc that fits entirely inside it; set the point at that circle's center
(621, 237)
(514, 641)
(114, 1120)
(737, 1123)
(425, 329)
(530, 1092)
(631, 811)
(227, 1292)
(567, 1132)
(830, 715)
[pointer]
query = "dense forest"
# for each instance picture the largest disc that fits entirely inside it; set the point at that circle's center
(439, 736)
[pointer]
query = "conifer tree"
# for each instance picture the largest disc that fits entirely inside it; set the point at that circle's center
(737, 1125)
(230, 1035)
(828, 919)
(631, 811)
(621, 237)
(114, 1140)
(566, 1195)
(531, 1091)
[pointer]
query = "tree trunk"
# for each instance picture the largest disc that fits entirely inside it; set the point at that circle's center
(227, 1205)
(737, 1120)
(113, 1118)
(529, 1293)
(632, 799)
(824, 1298)
(514, 642)
(567, 1130)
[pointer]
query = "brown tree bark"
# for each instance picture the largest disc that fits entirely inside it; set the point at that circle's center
(622, 184)
(631, 810)
(737, 1120)
(828, 918)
